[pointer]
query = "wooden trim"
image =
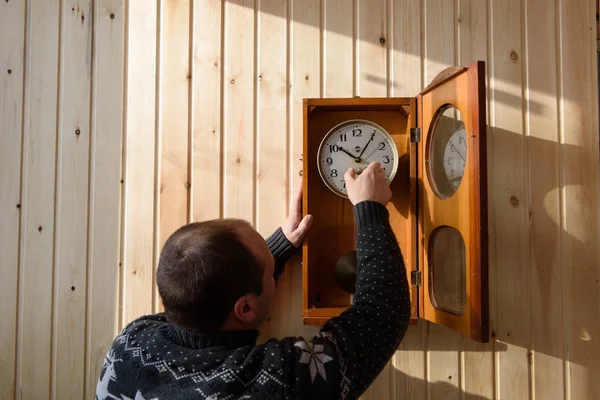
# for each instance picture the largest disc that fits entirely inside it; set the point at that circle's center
(358, 103)
(443, 77)
(306, 242)
(479, 296)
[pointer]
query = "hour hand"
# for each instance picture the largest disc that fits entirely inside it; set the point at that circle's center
(350, 154)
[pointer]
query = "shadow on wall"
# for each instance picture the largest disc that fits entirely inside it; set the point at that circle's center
(542, 261)
(437, 390)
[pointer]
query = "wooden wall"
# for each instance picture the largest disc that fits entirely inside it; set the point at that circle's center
(120, 121)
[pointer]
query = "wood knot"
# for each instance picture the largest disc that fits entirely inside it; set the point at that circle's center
(73, 288)
(306, 77)
(514, 201)
(514, 56)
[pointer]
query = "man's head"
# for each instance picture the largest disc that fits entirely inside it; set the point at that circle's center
(216, 275)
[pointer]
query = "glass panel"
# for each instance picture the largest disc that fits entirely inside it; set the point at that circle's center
(447, 261)
(446, 153)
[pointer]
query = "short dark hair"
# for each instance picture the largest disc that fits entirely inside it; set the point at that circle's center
(204, 268)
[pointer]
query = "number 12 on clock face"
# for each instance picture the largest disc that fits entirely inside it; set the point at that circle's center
(355, 144)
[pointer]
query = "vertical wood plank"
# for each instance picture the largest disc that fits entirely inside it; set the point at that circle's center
(305, 79)
(271, 115)
(579, 192)
(338, 48)
(39, 159)
(70, 255)
(239, 161)
(444, 345)
(544, 256)
(371, 48)
(174, 91)
(510, 199)
(206, 200)
(478, 359)
(12, 52)
(406, 81)
(406, 58)
(139, 171)
(105, 187)
(438, 35)
(372, 81)
(272, 143)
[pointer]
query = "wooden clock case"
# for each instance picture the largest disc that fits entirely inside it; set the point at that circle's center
(415, 210)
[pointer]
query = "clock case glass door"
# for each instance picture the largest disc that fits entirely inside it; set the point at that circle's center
(442, 234)
(453, 227)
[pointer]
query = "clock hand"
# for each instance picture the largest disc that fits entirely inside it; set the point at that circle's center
(366, 145)
(457, 152)
(347, 152)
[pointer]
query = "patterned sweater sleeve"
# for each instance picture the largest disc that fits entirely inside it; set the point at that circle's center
(350, 350)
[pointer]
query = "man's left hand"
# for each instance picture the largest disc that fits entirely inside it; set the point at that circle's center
(295, 227)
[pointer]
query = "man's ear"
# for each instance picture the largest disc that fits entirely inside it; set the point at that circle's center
(245, 309)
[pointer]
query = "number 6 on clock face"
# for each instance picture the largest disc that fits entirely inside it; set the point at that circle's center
(355, 143)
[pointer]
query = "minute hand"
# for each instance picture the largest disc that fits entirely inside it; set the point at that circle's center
(366, 145)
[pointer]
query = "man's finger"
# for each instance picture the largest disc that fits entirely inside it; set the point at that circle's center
(296, 203)
(350, 175)
(304, 225)
(375, 166)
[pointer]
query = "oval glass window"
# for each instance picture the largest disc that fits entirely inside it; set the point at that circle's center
(446, 152)
(448, 270)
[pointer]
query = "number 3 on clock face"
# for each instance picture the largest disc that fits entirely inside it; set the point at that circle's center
(355, 143)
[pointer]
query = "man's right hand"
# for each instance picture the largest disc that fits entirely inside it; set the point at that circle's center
(369, 186)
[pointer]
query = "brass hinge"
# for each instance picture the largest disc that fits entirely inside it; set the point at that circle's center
(415, 278)
(415, 135)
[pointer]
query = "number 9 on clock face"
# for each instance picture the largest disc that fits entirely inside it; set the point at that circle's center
(355, 143)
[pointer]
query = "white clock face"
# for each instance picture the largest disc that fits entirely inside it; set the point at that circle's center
(356, 144)
(455, 157)
(447, 152)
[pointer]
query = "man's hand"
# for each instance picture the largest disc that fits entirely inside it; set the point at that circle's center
(370, 185)
(295, 227)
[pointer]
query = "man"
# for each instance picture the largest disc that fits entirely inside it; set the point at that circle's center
(217, 283)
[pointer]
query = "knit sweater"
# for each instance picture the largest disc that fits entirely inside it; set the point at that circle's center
(152, 358)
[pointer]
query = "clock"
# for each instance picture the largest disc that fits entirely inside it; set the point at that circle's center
(433, 149)
(355, 144)
(446, 154)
